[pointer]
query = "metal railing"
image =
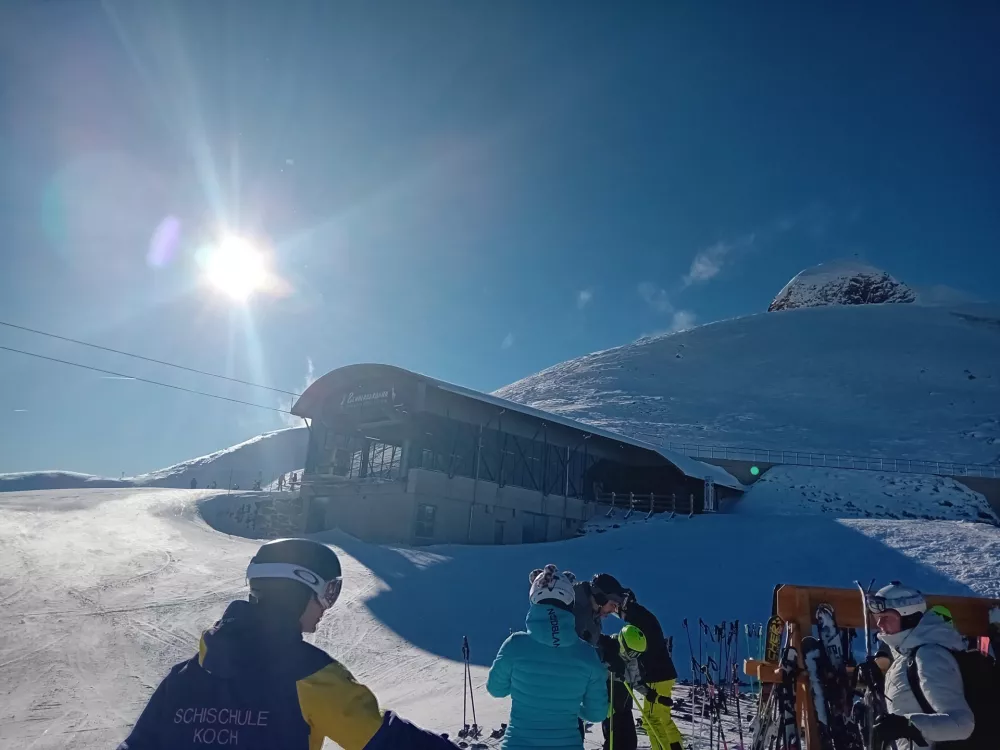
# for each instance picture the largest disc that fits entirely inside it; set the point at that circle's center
(646, 504)
(832, 460)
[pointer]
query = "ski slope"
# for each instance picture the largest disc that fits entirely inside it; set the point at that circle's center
(102, 590)
(893, 380)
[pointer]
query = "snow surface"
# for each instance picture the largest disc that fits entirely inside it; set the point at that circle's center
(848, 493)
(906, 381)
(102, 590)
(841, 282)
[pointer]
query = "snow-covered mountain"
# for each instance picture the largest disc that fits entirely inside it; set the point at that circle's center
(265, 457)
(902, 380)
(842, 282)
(262, 457)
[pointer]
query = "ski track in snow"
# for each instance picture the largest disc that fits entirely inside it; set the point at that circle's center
(103, 590)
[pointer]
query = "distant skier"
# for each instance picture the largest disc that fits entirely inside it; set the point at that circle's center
(911, 632)
(553, 678)
(655, 665)
(194, 483)
(255, 683)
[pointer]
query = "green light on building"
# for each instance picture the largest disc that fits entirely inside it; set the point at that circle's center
(755, 471)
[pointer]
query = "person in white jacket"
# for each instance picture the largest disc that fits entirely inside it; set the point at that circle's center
(909, 630)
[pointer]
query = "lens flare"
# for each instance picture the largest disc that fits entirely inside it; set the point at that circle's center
(236, 268)
(163, 243)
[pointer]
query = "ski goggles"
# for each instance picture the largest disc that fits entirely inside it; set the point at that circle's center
(326, 592)
(879, 604)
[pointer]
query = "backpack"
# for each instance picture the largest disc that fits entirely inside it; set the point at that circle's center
(981, 680)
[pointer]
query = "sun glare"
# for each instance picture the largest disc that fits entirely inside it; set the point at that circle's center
(236, 268)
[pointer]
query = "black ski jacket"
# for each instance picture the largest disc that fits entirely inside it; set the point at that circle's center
(655, 664)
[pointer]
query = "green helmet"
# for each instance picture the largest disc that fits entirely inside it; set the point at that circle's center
(632, 641)
(943, 612)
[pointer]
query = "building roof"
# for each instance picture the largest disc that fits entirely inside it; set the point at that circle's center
(311, 402)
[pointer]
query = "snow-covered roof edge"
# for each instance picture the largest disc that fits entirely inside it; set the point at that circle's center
(692, 467)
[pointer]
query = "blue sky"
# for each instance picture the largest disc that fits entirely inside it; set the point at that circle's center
(472, 190)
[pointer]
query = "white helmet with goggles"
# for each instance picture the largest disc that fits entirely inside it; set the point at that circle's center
(303, 561)
(898, 598)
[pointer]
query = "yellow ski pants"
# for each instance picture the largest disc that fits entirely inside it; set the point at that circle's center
(656, 717)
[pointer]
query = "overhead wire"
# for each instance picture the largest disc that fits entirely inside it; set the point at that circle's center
(145, 359)
(143, 380)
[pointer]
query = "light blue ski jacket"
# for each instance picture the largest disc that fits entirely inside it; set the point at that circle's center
(554, 679)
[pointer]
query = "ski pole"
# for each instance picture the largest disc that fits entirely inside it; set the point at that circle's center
(468, 673)
(739, 712)
(871, 696)
(687, 631)
(465, 681)
(646, 721)
(734, 638)
(719, 630)
(702, 630)
(611, 714)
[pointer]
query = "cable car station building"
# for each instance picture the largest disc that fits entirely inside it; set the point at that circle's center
(397, 457)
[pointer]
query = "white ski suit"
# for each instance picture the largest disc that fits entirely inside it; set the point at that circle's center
(940, 681)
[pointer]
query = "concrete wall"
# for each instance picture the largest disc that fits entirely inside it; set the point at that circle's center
(458, 497)
(466, 511)
(256, 515)
(376, 512)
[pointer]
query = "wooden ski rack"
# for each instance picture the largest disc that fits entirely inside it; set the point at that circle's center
(796, 606)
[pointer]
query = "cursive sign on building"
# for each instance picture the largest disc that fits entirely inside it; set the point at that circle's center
(356, 399)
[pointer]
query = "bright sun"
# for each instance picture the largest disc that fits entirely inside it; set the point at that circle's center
(236, 268)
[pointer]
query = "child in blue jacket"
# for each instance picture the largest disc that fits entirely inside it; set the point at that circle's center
(554, 679)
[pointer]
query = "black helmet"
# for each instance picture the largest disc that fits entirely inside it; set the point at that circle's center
(291, 571)
(606, 586)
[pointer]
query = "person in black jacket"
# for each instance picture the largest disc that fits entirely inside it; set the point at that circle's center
(256, 684)
(656, 667)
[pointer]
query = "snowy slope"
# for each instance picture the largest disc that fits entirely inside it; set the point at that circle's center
(267, 455)
(842, 282)
(905, 381)
(264, 456)
(102, 590)
(843, 493)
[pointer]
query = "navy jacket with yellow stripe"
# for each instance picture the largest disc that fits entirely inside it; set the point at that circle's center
(257, 685)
